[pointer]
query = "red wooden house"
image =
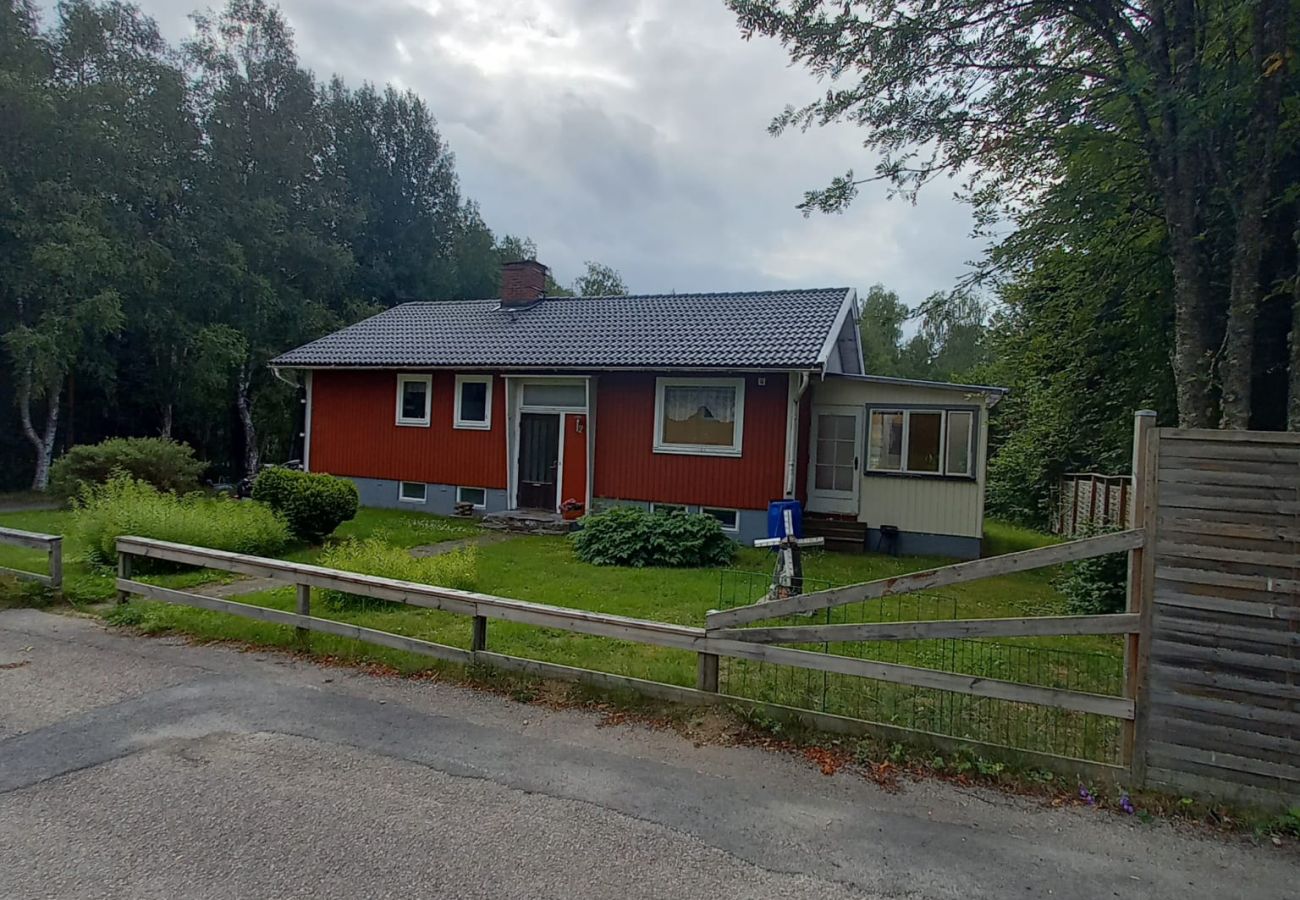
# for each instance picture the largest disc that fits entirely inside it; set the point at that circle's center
(717, 403)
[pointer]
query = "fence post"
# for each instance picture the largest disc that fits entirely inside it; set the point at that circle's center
(303, 608)
(123, 571)
(706, 674)
(478, 634)
(1140, 588)
(56, 566)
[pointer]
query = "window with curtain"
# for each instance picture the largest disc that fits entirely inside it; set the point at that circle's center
(921, 442)
(699, 416)
(413, 395)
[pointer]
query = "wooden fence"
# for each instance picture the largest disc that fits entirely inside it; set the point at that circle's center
(709, 644)
(1090, 501)
(1221, 714)
(52, 544)
(1211, 691)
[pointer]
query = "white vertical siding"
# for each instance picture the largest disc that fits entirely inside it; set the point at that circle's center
(916, 503)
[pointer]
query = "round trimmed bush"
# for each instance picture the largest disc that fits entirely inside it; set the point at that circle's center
(313, 503)
(628, 536)
(161, 462)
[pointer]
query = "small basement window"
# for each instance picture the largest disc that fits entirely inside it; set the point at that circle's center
(477, 497)
(702, 416)
(413, 492)
(729, 519)
(473, 401)
(414, 393)
(921, 442)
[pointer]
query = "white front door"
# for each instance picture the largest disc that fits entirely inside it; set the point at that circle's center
(834, 472)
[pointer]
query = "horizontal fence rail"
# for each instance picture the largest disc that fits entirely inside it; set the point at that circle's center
(52, 544)
(959, 573)
(484, 607)
(1032, 626)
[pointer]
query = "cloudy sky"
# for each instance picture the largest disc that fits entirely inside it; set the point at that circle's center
(633, 132)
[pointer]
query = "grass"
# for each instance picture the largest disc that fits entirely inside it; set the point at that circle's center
(545, 570)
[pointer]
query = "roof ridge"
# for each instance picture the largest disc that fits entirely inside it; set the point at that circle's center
(764, 292)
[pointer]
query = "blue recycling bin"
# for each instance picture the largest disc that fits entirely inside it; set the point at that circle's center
(776, 517)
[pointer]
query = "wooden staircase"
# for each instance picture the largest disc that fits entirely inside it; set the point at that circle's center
(843, 535)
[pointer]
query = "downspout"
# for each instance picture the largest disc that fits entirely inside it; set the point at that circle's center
(798, 385)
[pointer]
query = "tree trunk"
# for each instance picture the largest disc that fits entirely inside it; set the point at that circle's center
(1237, 364)
(165, 425)
(245, 405)
(1268, 59)
(43, 442)
(1293, 398)
(1192, 347)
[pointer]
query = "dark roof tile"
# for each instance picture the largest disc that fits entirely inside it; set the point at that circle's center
(762, 329)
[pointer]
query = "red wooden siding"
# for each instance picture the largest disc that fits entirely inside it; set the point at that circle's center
(575, 459)
(627, 468)
(353, 432)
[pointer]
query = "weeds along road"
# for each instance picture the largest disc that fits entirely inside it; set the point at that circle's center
(143, 768)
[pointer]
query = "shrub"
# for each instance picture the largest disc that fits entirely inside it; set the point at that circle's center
(627, 536)
(1096, 586)
(166, 464)
(313, 504)
(375, 556)
(124, 505)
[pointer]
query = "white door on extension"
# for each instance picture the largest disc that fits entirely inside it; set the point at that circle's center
(835, 472)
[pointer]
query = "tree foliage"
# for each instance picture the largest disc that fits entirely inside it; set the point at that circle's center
(948, 343)
(1185, 111)
(173, 217)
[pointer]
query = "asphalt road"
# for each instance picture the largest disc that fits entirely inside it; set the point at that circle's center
(141, 768)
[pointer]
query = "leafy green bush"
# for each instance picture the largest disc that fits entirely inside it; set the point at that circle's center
(166, 464)
(375, 556)
(103, 513)
(1096, 586)
(314, 504)
(628, 536)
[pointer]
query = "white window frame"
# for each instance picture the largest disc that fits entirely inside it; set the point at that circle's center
(710, 510)
(943, 413)
(401, 492)
(970, 443)
(460, 497)
(423, 421)
(486, 424)
(660, 446)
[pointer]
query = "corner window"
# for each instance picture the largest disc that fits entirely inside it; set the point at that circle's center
(921, 442)
(414, 393)
(729, 519)
(473, 401)
(700, 416)
(412, 492)
(476, 497)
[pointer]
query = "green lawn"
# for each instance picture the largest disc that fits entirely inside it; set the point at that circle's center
(544, 569)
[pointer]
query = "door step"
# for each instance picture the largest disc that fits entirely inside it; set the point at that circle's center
(527, 521)
(841, 535)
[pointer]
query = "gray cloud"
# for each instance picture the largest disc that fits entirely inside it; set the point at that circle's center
(634, 133)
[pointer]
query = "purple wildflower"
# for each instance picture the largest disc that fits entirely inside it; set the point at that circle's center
(1086, 795)
(1126, 804)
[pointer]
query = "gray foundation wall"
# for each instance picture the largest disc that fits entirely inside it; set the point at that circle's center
(440, 499)
(912, 543)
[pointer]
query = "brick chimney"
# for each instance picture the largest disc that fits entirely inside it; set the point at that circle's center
(523, 283)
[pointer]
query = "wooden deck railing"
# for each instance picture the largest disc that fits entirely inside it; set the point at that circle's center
(52, 544)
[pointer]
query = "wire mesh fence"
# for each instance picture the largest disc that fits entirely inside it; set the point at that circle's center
(1035, 661)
